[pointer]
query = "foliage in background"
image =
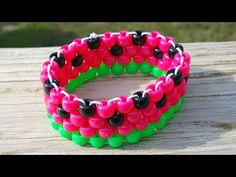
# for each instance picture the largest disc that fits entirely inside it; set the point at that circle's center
(55, 34)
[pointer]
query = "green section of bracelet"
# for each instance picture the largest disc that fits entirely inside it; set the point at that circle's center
(116, 69)
(117, 140)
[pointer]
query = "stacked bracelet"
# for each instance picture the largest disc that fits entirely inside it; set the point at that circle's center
(124, 118)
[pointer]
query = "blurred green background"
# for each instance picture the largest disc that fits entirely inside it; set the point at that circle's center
(35, 34)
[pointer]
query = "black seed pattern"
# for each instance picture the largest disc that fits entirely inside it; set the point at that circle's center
(87, 110)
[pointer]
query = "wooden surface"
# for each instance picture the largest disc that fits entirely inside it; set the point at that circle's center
(206, 124)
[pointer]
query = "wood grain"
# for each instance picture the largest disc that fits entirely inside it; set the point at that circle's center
(205, 125)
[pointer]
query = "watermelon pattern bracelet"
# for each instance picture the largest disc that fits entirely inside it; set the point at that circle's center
(121, 119)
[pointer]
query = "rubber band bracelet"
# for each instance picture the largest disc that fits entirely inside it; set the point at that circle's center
(124, 118)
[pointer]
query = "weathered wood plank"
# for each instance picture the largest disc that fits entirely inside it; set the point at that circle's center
(205, 125)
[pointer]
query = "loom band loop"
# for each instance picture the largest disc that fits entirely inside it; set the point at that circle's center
(176, 75)
(161, 36)
(72, 44)
(169, 76)
(172, 43)
(79, 100)
(49, 68)
(115, 34)
(179, 51)
(95, 102)
(167, 85)
(184, 68)
(113, 100)
(84, 39)
(65, 93)
(55, 86)
(158, 84)
(57, 57)
(177, 69)
(131, 96)
(146, 92)
(131, 32)
(52, 59)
